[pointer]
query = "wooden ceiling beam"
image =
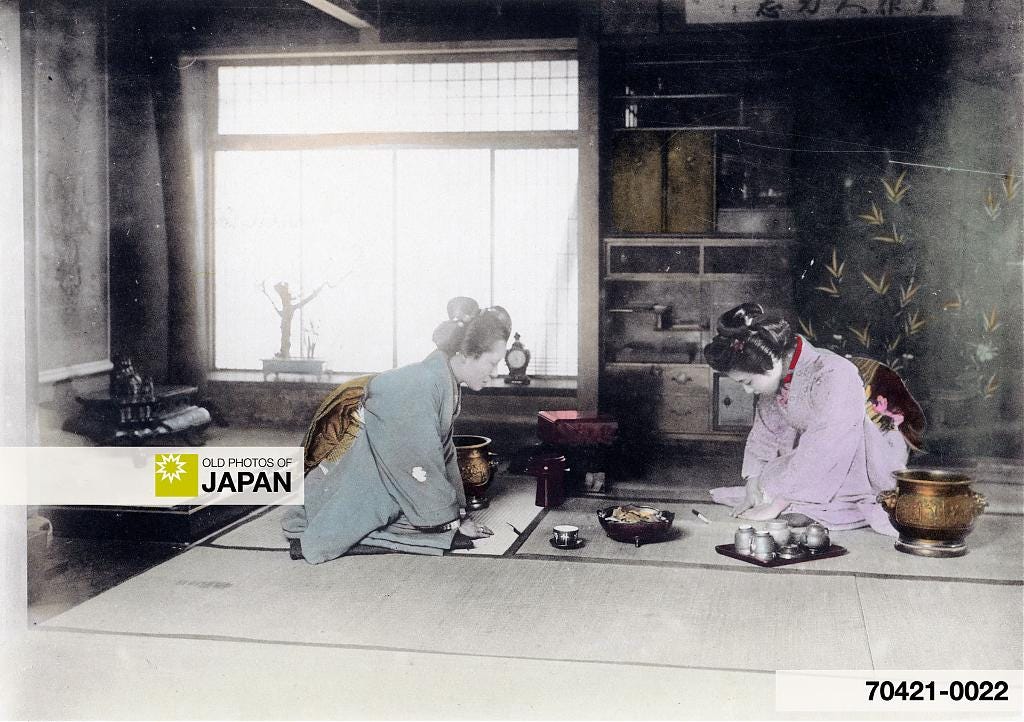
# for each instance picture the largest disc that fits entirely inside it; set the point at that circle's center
(345, 11)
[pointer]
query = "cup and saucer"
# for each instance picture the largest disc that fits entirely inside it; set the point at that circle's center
(566, 537)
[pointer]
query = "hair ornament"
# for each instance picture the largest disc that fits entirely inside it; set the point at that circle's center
(737, 344)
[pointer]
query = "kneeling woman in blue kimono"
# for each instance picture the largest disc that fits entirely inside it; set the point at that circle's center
(380, 463)
(828, 431)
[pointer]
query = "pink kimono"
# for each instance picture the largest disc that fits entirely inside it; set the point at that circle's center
(813, 443)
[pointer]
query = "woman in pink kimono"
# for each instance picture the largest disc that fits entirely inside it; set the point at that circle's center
(813, 449)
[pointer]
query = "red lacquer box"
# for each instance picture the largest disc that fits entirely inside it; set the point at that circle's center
(568, 428)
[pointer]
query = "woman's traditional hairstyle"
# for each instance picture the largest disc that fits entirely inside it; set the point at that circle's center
(749, 340)
(470, 330)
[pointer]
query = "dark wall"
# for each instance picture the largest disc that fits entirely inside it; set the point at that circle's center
(138, 228)
(462, 20)
(935, 112)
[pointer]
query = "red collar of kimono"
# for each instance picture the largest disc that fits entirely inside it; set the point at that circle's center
(792, 364)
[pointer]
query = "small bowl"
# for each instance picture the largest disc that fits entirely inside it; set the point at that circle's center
(641, 531)
(792, 551)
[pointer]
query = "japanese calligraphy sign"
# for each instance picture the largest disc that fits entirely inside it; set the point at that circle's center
(744, 11)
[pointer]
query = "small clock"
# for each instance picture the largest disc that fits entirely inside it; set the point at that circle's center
(517, 358)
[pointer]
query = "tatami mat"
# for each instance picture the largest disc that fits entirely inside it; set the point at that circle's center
(493, 607)
(995, 546)
(180, 679)
(513, 504)
(918, 625)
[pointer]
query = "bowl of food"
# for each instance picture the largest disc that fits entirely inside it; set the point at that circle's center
(635, 524)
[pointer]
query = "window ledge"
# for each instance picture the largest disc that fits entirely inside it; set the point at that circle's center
(539, 386)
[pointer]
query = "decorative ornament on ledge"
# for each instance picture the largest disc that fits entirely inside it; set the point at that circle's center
(126, 384)
(283, 361)
(517, 358)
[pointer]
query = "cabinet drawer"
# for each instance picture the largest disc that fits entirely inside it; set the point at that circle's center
(682, 413)
(629, 258)
(733, 407)
(683, 379)
(684, 399)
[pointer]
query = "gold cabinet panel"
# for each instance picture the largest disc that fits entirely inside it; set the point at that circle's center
(636, 182)
(690, 187)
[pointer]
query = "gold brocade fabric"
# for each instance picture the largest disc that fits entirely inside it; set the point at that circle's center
(335, 423)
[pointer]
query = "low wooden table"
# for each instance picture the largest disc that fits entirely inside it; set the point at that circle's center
(168, 415)
(167, 418)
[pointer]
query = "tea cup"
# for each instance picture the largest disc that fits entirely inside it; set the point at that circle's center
(779, 529)
(565, 535)
(743, 538)
(763, 546)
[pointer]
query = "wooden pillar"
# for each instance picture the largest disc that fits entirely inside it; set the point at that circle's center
(17, 358)
(589, 249)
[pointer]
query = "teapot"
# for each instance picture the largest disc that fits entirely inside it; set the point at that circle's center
(817, 537)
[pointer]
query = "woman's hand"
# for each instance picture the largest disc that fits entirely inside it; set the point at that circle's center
(752, 497)
(763, 512)
(470, 528)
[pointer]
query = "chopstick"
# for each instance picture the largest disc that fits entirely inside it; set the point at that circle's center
(518, 533)
(700, 516)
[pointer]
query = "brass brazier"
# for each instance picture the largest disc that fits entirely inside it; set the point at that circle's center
(933, 511)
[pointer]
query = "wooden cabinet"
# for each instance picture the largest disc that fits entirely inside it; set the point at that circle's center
(696, 222)
(676, 401)
(660, 301)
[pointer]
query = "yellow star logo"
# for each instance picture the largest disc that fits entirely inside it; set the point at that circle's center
(176, 474)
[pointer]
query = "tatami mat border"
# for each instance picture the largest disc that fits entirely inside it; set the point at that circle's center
(236, 547)
(863, 618)
(756, 570)
(526, 533)
(512, 553)
(384, 648)
(209, 541)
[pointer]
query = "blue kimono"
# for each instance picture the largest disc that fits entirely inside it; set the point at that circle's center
(400, 476)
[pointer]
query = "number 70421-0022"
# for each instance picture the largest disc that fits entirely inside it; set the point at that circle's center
(850, 690)
(955, 690)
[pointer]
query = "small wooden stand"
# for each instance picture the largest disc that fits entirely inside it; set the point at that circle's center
(142, 419)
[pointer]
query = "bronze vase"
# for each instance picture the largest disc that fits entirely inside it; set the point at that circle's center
(933, 511)
(477, 466)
